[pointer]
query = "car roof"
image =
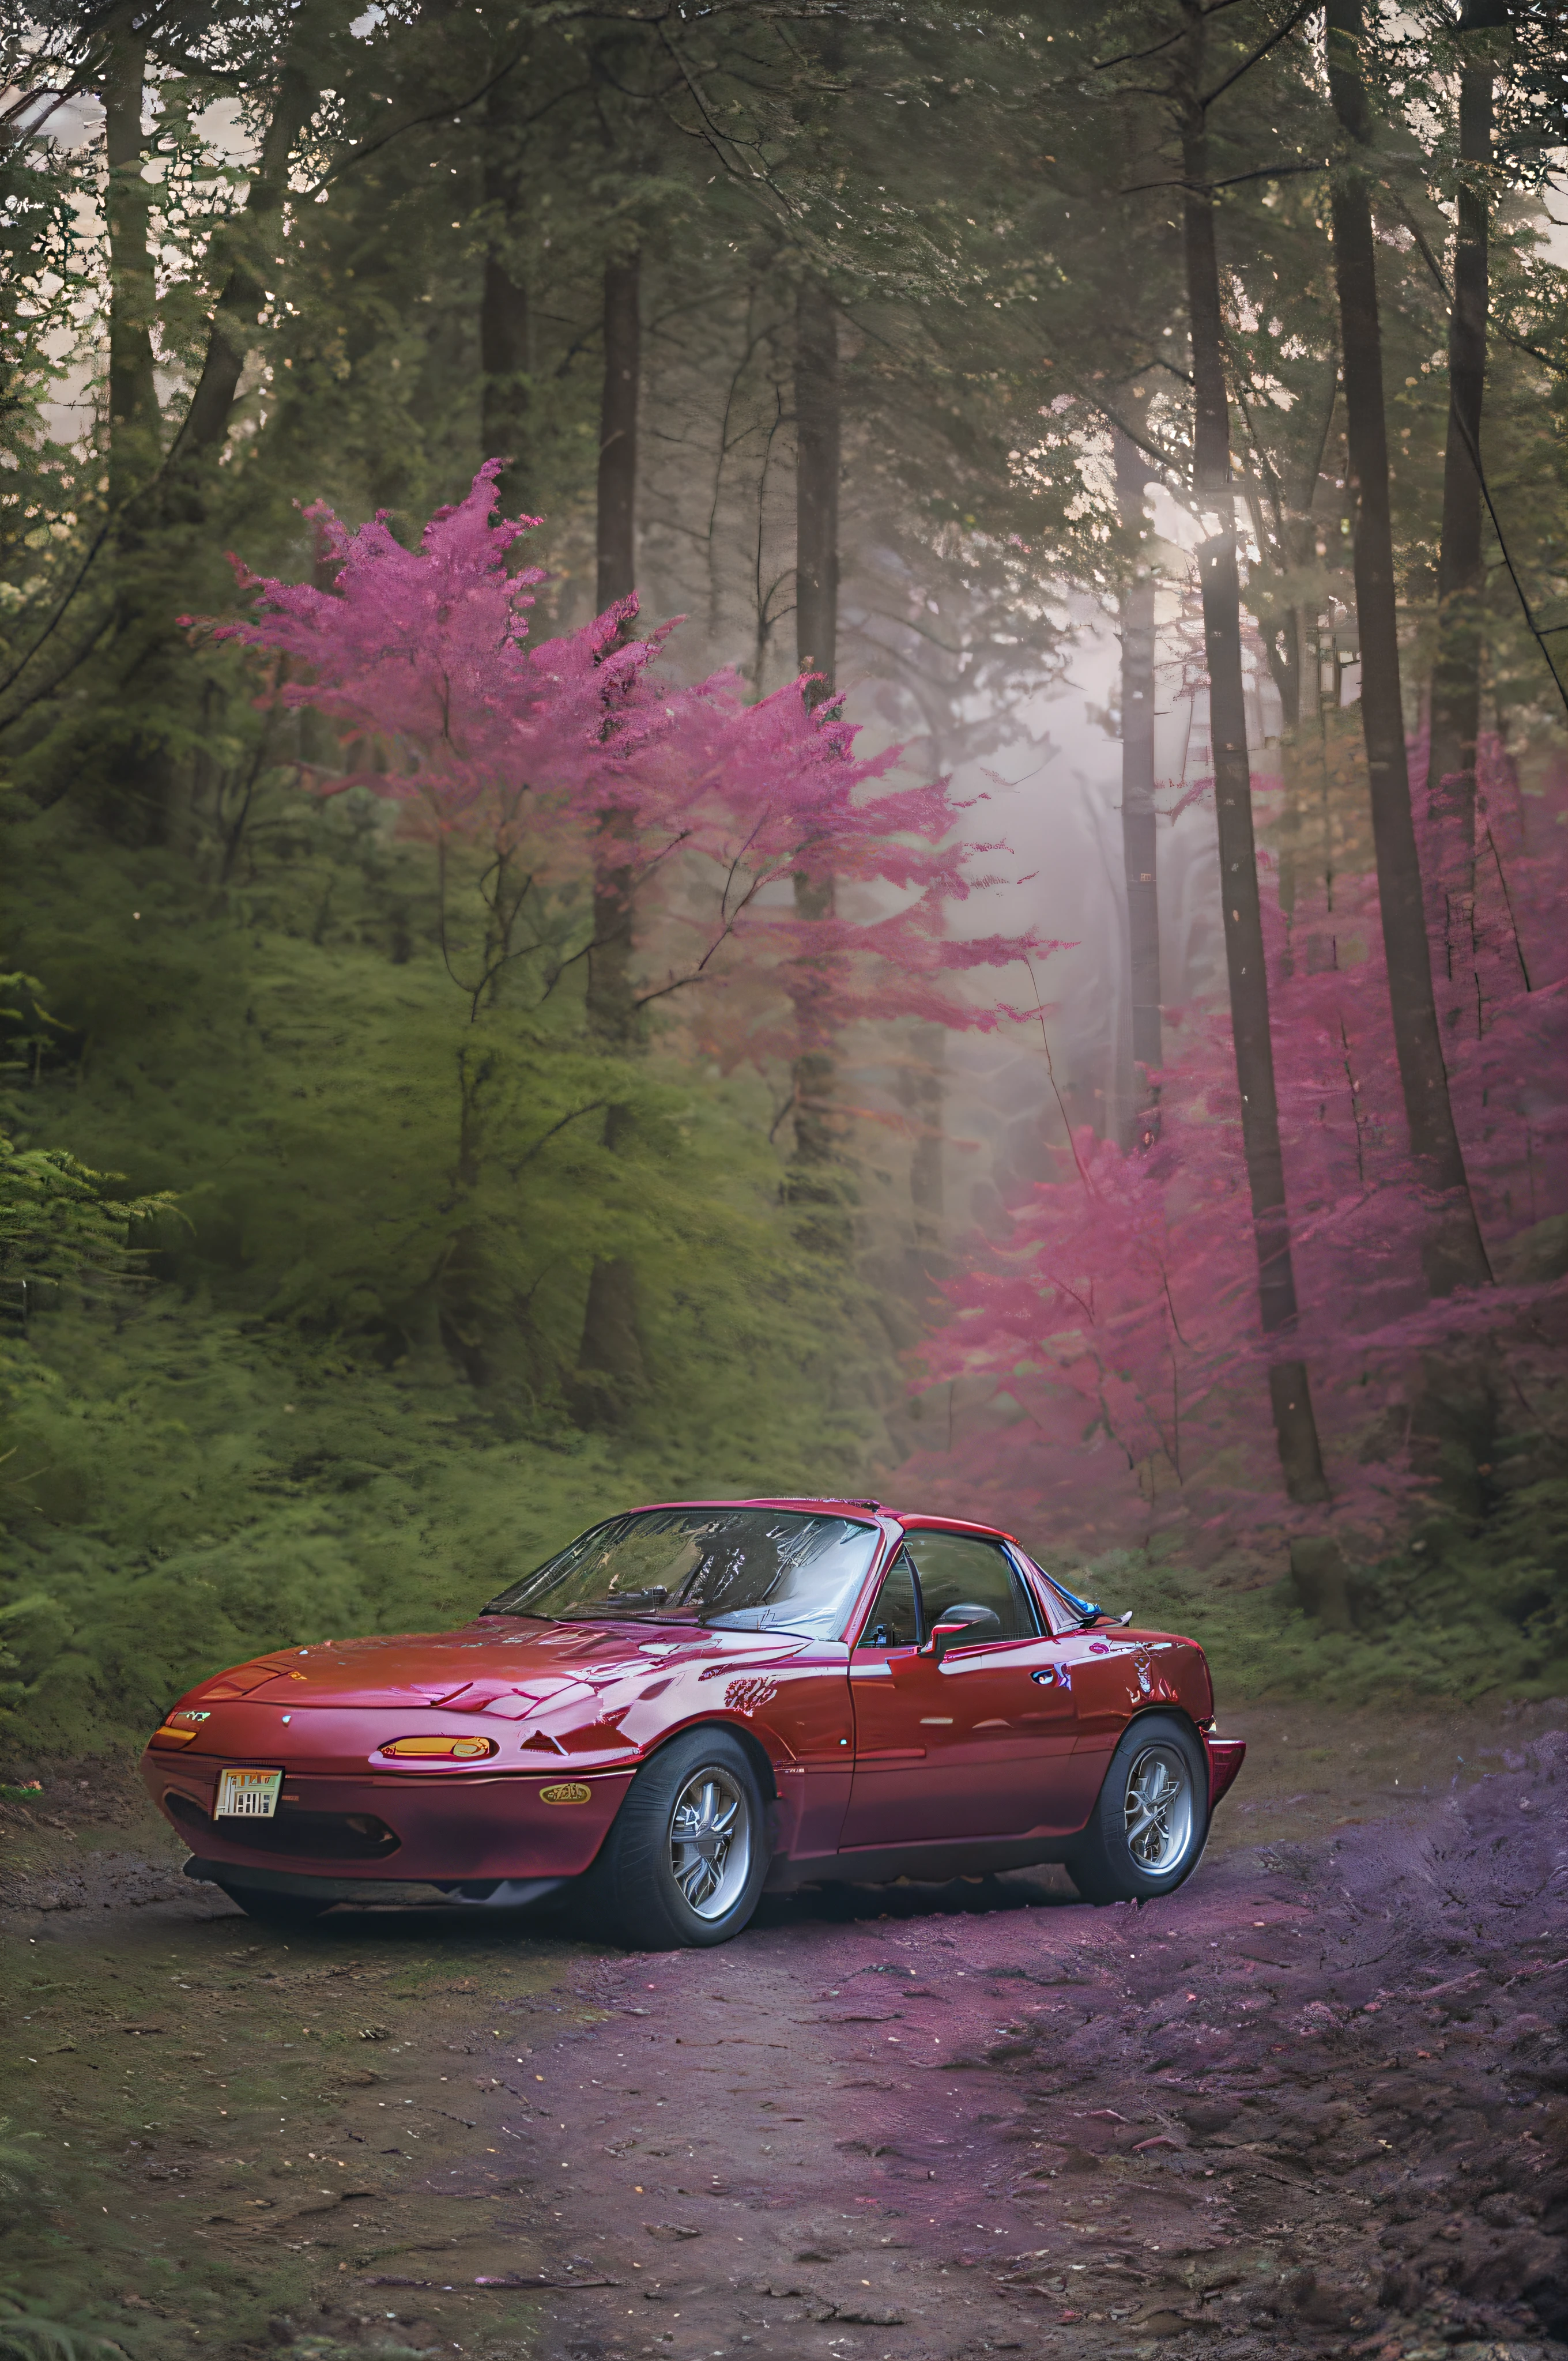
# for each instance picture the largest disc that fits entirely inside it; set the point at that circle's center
(865, 1512)
(861, 1511)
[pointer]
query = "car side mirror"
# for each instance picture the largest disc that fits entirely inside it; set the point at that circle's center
(960, 1623)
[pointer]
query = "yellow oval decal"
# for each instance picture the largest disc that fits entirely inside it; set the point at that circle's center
(571, 1792)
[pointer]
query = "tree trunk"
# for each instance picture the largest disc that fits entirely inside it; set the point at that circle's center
(1454, 1255)
(1456, 673)
(610, 1359)
(134, 452)
(1139, 856)
(244, 291)
(924, 1099)
(611, 1349)
(1282, 646)
(816, 488)
(1295, 1427)
(506, 341)
(817, 1125)
(610, 1372)
(618, 430)
(127, 766)
(611, 1010)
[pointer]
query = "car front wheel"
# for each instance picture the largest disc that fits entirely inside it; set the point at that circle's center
(1149, 1826)
(684, 1861)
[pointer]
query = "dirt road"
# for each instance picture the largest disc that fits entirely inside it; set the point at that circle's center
(1315, 2104)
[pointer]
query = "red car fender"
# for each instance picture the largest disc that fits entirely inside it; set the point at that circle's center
(795, 1715)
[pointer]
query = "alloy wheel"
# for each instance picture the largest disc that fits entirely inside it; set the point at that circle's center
(1159, 1814)
(710, 1841)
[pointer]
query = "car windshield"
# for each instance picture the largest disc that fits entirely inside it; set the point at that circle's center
(734, 1569)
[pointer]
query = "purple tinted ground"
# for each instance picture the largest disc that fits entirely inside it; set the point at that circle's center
(1313, 2103)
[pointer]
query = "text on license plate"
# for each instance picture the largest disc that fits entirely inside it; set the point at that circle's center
(248, 1795)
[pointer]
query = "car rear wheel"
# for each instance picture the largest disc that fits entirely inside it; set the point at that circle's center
(684, 1861)
(1149, 1826)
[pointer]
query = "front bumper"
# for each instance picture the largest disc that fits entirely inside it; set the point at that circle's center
(361, 1830)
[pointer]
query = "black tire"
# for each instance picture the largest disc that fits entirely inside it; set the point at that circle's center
(654, 1891)
(284, 1911)
(1129, 1852)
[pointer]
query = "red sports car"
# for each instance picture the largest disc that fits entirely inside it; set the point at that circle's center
(698, 1700)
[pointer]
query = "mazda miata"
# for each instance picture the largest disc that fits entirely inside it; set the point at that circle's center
(696, 1702)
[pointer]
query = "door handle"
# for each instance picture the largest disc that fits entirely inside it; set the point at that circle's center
(1045, 1675)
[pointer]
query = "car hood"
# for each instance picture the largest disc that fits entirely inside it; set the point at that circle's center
(510, 1666)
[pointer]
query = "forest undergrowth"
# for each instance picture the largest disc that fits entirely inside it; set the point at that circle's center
(1104, 1318)
(272, 1428)
(274, 1423)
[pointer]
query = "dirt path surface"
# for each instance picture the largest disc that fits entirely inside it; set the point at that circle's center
(1316, 2103)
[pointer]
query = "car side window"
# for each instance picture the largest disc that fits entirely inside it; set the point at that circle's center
(957, 1570)
(1059, 1616)
(895, 1618)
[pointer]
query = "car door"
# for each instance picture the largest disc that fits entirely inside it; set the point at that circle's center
(972, 1746)
(1113, 1676)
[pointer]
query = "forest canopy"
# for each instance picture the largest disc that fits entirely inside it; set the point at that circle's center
(554, 956)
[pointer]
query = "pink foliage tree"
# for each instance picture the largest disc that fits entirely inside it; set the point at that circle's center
(1119, 1315)
(507, 754)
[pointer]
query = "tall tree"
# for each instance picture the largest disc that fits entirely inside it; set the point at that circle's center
(1454, 1255)
(130, 772)
(133, 393)
(234, 314)
(819, 441)
(506, 343)
(818, 437)
(617, 541)
(611, 1349)
(610, 1002)
(1295, 1425)
(609, 990)
(1456, 672)
(1138, 853)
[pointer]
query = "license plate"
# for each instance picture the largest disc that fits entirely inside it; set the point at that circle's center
(248, 1795)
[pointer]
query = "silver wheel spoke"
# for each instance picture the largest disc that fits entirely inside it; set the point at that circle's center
(710, 1842)
(1159, 1815)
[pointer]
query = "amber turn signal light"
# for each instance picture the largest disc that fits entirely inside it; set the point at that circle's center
(169, 1736)
(439, 1750)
